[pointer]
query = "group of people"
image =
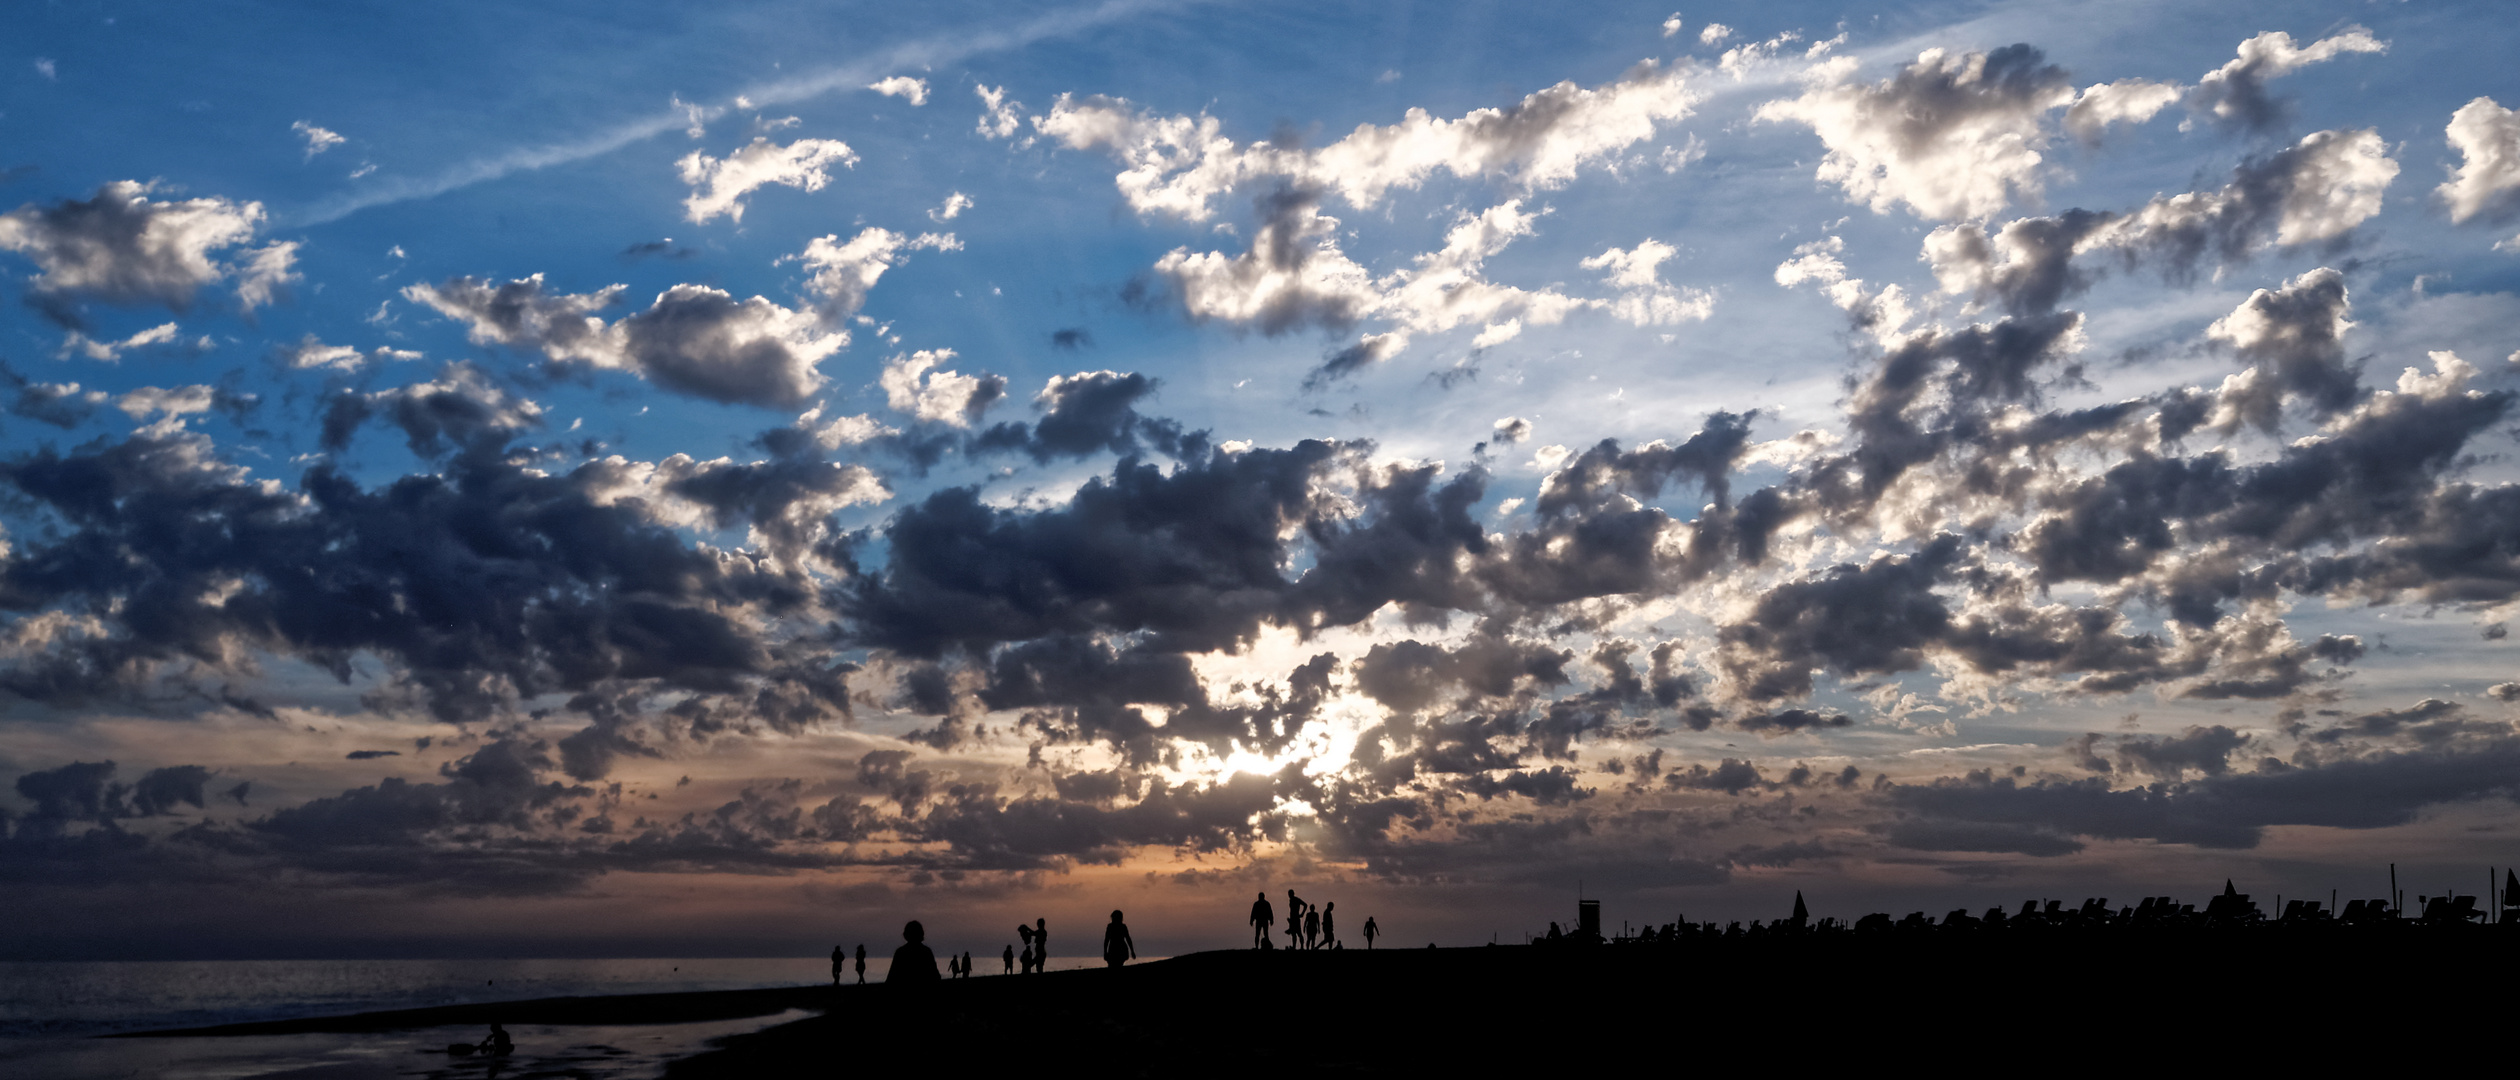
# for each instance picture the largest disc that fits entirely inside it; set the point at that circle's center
(1307, 927)
(914, 962)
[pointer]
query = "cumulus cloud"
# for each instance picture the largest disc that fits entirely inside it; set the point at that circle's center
(2486, 183)
(952, 207)
(841, 274)
(1646, 300)
(2235, 94)
(121, 248)
(1181, 165)
(913, 385)
(719, 185)
(693, 340)
(1950, 136)
(914, 91)
(2126, 101)
(1002, 116)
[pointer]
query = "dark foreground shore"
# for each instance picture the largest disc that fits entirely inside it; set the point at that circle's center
(2067, 1004)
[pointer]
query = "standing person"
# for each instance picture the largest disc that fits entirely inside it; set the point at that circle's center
(1329, 929)
(1312, 929)
(1117, 948)
(861, 965)
(966, 965)
(1294, 920)
(1263, 918)
(839, 962)
(1370, 931)
(1041, 944)
(1010, 959)
(913, 962)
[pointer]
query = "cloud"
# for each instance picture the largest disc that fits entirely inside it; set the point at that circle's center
(317, 139)
(841, 274)
(121, 248)
(2126, 101)
(1713, 34)
(1647, 301)
(1003, 117)
(952, 207)
(693, 340)
(2486, 183)
(311, 353)
(1951, 136)
(915, 91)
(1180, 165)
(110, 351)
(913, 385)
(803, 164)
(2235, 96)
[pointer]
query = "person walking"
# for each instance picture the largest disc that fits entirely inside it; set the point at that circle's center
(839, 962)
(1312, 929)
(861, 965)
(1010, 959)
(1263, 919)
(1294, 920)
(1329, 929)
(1370, 931)
(1117, 948)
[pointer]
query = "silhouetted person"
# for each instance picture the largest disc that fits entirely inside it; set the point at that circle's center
(1030, 961)
(966, 965)
(839, 962)
(1010, 959)
(1312, 929)
(1556, 935)
(861, 965)
(1041, 944)
(1117, 948)
(1024, 933)
(953, 966)
(1263, 919)
(1329, 929)
(497, 1044)
(1294, 920)
(913, 962)
(1370, 931)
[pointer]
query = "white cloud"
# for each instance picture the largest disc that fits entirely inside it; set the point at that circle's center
(317, 139)
(903, 86)
(110, 351)
(1671, 26)
(2487, 180)
(180, 401)
(1003, 117)
(955, 204)
(1647, 301)
(265, 271)
(1952, 137)
(2235, 93)
(1712, 34)
(913, 385)
(309, 352)
(2126, 101)
(804, 164)
(45, 67)
(843, 273)
(1180, 165)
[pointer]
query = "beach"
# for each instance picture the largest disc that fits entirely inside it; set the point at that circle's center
(2035, 1003)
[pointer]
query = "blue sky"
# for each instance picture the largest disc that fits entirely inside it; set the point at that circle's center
(813, 463)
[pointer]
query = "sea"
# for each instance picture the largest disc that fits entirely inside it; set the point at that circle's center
(51, 1013)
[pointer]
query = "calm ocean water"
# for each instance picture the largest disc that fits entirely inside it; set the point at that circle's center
(45, 998)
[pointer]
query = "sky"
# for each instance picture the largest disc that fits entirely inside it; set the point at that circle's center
(655, 479)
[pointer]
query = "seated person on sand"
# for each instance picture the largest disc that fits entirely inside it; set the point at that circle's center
(913, 962)
(497, 1044)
